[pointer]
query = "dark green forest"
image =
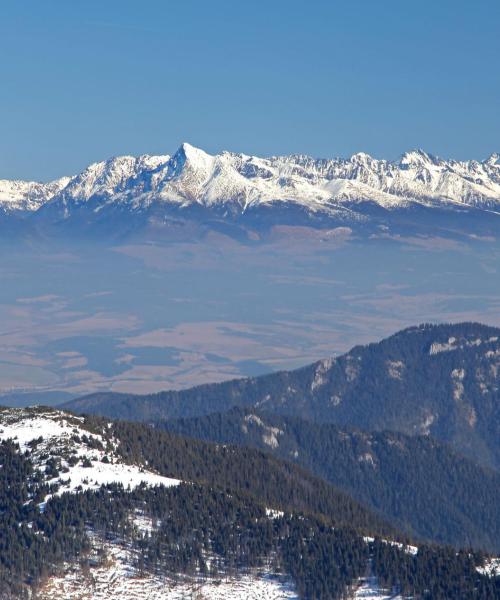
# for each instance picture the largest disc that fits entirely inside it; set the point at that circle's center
(198, 521)
(420, 485)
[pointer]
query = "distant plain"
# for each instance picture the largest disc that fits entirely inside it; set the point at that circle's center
(143, 317)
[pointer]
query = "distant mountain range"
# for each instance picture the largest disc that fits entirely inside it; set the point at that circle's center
(126, 194)
(437, 380)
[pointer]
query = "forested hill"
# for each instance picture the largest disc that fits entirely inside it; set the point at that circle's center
(164, 458)
(281, 485)
(438, 380)
(415, 482)
(92, 508)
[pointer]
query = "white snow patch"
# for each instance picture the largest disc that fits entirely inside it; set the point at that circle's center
(438, 347)
(367, 458)
(144, 523)
(269, 434)
(491, 568)
(457, 377)
(369, 589)
(351, 370)
(320, 373)
(274, 514)
(407, 548)
(426, 424)
(335, 400)
(395, 368)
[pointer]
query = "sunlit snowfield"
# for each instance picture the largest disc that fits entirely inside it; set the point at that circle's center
(147, 317)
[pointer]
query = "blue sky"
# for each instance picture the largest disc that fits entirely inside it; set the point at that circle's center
(82, 81)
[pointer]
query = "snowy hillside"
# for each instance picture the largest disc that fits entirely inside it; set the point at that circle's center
(238, 182)
(173, 540)
(71, 457)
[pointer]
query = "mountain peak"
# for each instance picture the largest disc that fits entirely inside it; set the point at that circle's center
(416, 157)
(193, 158)
(361, 157)
(493, 159)
(191, 153)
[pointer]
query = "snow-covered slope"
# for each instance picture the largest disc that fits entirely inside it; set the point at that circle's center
(28, 196)
(238, 182)
(71, 457)
(114, 576)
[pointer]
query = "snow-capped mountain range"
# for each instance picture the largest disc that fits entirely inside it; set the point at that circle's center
(230, 184)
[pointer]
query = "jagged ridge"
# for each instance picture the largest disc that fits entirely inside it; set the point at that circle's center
(238, 182)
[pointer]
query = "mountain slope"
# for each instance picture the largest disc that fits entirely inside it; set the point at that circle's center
(124, 541)
(438, 380)
(84, 453)
(19, 197)
(194, 185)
(413, 482)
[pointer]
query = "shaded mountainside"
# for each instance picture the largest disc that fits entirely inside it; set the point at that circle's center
(416, 483)
(219, 525)
(90, 451)
(438, 380)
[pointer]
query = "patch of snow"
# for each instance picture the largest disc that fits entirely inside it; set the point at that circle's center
(320, 373)
(491, 568)
(351, 371)
(457, 377)
(407, 548)
(369, 589)
(437, 347)
(274, 514)
(426, 424)
(335, 400)
(144, 523)
(254, 419)
(395, 369)
(28, 196)
(367, 458)
(269, 434)
(492, 353)
(454, 344)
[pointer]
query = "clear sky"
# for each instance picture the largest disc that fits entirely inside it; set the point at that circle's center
(83, 80)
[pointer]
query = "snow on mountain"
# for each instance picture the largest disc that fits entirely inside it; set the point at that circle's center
(70, 456)
(237, 182)
(28, 196)
(111, 178)
(113, 575)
